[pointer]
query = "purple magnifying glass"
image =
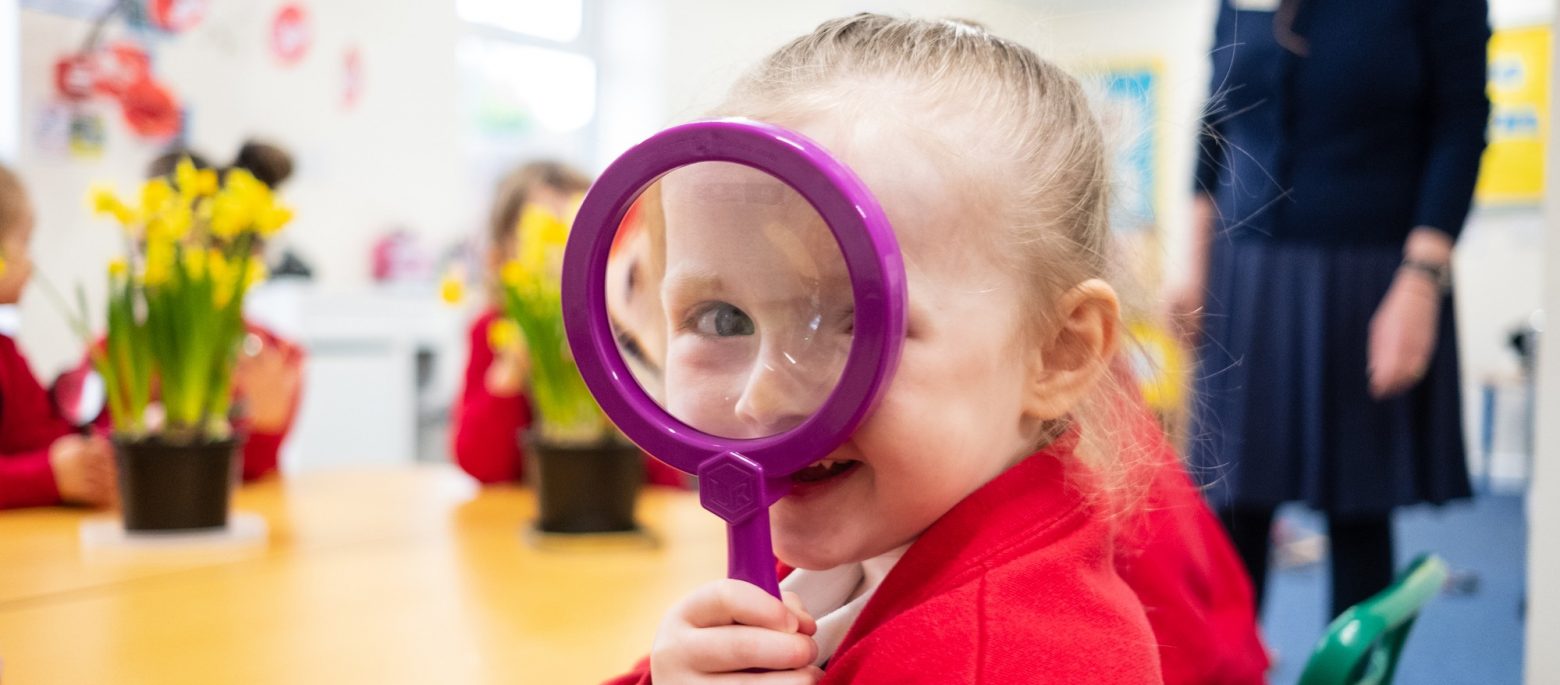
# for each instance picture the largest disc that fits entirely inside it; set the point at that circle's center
(735, 300)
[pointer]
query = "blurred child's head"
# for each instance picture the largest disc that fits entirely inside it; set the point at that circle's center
(548, 183)
(163, 165)
(991, 166)
(269, 163)
(635, 270)
(16, 227)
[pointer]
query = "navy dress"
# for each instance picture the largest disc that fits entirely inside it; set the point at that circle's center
(1321, 154)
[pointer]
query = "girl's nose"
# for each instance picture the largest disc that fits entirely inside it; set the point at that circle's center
(779, 396)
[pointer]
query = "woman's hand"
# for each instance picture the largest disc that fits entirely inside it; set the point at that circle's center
(728, 627)
(1402, 334)
(1184, 299)
(1183, 310)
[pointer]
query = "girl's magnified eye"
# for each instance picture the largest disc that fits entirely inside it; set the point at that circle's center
(630, 347)
(721, 320)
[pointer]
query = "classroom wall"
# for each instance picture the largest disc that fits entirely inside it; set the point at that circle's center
(1542, 662)
(10, 77)
(393, 159)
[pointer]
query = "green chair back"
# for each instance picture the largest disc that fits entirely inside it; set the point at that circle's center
(1362, 645)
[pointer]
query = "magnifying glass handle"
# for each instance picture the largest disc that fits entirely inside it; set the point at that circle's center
(750, 555)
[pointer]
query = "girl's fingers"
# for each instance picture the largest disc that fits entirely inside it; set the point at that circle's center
(733, 601)
(804, 676)
(793, 601)
(737, 648)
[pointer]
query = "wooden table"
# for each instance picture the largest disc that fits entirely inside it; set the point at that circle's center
(386, 576)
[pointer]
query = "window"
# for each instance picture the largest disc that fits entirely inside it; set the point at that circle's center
(554, 20)
(528, 71)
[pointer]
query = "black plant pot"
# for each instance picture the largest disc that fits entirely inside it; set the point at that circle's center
(167, 486)
(585, 489)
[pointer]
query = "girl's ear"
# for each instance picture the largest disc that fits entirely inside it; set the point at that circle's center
(1065, 366)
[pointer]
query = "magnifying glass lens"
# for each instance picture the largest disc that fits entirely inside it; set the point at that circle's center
(730, 300)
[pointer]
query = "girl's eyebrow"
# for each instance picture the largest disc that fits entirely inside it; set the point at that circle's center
(695, 279)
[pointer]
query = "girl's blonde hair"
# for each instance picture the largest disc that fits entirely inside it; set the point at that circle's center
(13, 200)
(1029, 144)
(515, 190)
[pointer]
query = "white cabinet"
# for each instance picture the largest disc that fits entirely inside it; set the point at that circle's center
(383, 367)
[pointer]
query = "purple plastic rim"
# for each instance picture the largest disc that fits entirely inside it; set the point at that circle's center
(866, 241)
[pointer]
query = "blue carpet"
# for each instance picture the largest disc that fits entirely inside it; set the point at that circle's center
(1472, 638)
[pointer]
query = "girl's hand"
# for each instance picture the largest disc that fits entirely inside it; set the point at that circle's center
(511, 367)
(728, 627)
(1402, 334)
(84, 471)
(268, 380)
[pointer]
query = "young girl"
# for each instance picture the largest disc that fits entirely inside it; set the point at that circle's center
(42, 459)
(965, 532)
(492, 408)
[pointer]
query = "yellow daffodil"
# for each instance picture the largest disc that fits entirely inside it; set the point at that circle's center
(452, 287)
(194, 263)
(271, 219)
(512, 273)
(229, 216)
(159, 261)
(117, 268)
(542, 236)
(106, 203)
(222, 284)
(174, 223)
(217, 264)
(157, 196)
(245, 203)
(503, 334)
(186, 177)
(250, 190)
(257, 273)
(207, 182)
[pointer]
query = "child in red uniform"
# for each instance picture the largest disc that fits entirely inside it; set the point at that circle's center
(1177, 558)
(492, 408)
(965, 533)
(42, 459)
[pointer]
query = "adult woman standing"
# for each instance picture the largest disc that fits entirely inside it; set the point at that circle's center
(1338, 158)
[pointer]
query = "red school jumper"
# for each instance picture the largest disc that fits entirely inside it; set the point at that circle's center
(1015, 584)
(487, 426)
(29, 424)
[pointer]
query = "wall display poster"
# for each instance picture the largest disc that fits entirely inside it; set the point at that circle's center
(1512, 172)
(1131, 114)
(291, 34)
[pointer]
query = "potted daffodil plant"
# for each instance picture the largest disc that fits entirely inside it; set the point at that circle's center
(174, 325)
(587, 476)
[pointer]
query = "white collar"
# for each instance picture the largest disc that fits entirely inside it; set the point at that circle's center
(836, 596)
(10, 320)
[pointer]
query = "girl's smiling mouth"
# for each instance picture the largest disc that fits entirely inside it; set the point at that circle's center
(822, 473)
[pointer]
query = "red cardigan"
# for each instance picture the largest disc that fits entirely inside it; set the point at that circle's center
(29, 424)
(487, 426)
(1015, 584)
